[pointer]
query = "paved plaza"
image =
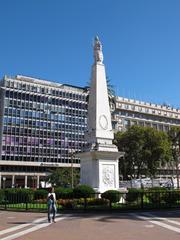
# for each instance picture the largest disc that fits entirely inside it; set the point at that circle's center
(111, 226)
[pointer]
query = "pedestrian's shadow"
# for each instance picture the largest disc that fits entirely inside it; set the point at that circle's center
(32, 223)
(18, 222)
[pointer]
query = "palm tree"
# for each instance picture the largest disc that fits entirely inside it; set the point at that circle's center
(110, 88)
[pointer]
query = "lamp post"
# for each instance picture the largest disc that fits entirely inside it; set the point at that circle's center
(4, 182)
(72, 152)
(34, 181)
(176, 155)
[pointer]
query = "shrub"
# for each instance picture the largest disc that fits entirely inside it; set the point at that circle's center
(66, 203)
(112, 195)
(16, 195)
(40, 194)
(64, 193)
(97, 202)
(41, 201)
(2, 195)
(83, 191)
(171, 197)
(133, 195)
(155, 195)
(157, 189)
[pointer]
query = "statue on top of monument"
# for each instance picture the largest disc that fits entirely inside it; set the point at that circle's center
(98, 55)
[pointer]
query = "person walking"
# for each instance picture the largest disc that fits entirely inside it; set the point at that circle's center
(51, 202)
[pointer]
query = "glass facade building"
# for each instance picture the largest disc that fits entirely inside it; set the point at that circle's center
(42, 124)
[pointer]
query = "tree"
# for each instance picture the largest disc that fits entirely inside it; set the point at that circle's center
(146, 149)
(130, 142)
(174, 136)
(156, 151)
(62, 177)
(110, 89)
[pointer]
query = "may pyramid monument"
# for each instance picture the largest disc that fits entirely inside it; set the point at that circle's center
(99, 162)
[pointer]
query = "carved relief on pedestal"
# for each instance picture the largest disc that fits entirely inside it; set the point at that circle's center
(108, 174)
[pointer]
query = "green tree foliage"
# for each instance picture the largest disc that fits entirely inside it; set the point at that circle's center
(18, 195)
(64, 193)
(146, 149)
(110, 89)
(174, 136)
(40, 194)
(112, 195)
(130, 142)
(62, 177)
(83, 191)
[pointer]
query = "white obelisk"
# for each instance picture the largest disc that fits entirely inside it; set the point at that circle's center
(99, 162)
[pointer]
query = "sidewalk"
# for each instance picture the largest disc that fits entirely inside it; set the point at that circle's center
(161, 225)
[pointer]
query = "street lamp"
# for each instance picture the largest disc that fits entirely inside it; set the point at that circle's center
(176, 155)
(72, 152)
(4, 182)
(34, 181)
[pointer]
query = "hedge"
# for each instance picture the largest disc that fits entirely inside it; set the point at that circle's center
(83, 191)
(133, 195)
(40, 194)
(16, 195)
(112, 195)
(64, 193)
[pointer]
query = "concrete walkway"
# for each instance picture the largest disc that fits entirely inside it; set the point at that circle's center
(163, 225)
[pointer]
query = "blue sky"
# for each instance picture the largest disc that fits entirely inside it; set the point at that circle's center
(52, 39)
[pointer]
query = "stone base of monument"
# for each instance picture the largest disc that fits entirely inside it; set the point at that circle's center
(100, 170)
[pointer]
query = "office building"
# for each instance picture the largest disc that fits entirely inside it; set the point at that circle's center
(42, 123)
(128, 112)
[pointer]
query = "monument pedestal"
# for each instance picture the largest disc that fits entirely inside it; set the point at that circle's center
(100, 170)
